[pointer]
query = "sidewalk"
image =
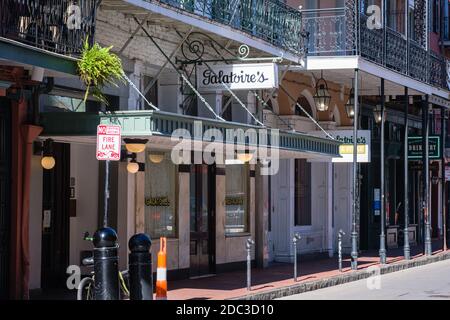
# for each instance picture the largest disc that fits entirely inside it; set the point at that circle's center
(277, 280)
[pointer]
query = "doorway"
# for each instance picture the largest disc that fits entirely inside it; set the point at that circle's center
(202, 220)
(55, 219)
(5, 196)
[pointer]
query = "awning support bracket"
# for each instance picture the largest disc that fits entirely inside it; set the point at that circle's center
(177, 70)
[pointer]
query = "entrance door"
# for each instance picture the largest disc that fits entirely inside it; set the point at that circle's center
(202, 220)
(342, 203)
(55, 228)
(434, 205)
(281, 215)
(271, 208)
(5, 197)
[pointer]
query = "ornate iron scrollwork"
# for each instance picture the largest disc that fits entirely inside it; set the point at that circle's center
(270, 20)
(420, 25)
(200, 47)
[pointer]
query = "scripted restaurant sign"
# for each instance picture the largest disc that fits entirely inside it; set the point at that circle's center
(346, 148)
(237, 76)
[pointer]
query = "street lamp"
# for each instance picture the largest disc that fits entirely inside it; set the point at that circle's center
(322, 97)
(244, 156)
(156, 157)
(135, 145)
(133, 166)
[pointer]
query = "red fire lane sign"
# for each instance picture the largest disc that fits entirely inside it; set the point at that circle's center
(108, 142)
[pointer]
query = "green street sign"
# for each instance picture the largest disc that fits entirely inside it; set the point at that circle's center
(415, 147)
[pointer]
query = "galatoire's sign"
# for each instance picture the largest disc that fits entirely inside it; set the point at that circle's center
(108, 142)
(237, 76)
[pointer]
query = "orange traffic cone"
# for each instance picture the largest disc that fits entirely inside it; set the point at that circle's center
(161, 271)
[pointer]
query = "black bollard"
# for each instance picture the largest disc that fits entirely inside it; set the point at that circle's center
(140, 267)
(106, 269)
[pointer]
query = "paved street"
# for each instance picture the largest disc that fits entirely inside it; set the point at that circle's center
(427, 282)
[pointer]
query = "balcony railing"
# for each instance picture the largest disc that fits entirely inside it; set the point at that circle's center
(59, 26)
(335, 32)
(270, 20)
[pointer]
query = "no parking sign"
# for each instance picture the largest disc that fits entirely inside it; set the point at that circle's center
(108, 142)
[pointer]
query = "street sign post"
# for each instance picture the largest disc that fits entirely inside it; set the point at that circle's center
(108, 142)
(108, 149)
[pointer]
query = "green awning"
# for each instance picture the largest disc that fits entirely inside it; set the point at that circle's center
(163, 124)
(22, 53)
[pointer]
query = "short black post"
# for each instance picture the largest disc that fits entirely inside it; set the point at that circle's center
(106, 269)
(140, 267)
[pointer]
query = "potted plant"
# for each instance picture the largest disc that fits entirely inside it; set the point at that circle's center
(97, 68)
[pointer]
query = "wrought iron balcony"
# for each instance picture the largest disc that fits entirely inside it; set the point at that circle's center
(59, 26)
(344, 31)
(269, 20)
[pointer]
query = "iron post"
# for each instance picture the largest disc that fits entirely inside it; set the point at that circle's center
(248, 247)
(426, 177)
(106, 270)
(295, 240)
(354, 234)
(382, 209)
(140, 267)
(340, 234)
(406, 249)
(443, 182)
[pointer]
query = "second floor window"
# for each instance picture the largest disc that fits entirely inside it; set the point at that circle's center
(434, 16)
(396, 16)
(150, 93)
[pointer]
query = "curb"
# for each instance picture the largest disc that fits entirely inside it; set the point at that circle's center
(341, 279)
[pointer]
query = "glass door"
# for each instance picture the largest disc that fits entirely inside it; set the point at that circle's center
(202, 220)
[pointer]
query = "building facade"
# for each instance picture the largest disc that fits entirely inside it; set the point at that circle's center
(208, 210)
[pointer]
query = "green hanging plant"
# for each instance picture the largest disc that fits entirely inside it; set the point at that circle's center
(97, 68)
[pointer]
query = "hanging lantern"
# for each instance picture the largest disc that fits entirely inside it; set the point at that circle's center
(322, 97)
(350, 105)
(377, 114)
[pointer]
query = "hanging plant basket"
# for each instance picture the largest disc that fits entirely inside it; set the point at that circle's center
(98, 67)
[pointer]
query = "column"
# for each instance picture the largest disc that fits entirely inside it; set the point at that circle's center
(354, 233)
(261, 218)
(382, 209)
(406, 249)
(426, 177)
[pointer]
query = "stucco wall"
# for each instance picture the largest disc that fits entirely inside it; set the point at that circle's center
(84, 168)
